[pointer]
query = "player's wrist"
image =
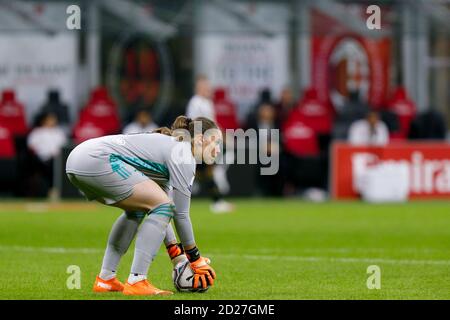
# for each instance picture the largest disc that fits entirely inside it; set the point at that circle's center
(192, 254)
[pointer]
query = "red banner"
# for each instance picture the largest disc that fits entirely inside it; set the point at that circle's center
(429, 167)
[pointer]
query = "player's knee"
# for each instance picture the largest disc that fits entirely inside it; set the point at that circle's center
(165, 210)
(136, 215)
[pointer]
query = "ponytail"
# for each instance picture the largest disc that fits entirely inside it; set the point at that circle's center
(163, 130)
(183, 124)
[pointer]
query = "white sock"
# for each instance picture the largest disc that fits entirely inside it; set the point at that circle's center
(107, 274)
(133, 278)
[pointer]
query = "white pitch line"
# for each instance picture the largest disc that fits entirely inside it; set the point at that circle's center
(353, 250)
(52, 249)
(335, 259)
(64, 250)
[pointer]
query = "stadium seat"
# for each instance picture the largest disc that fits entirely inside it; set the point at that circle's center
(86, 130)
(7, 148)
(304, 161)
(8, 163)
(313, 113)
(225, 110)
(12, 114)
(101, 111)
(298, 138)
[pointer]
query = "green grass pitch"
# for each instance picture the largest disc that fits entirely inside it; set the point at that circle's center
(267, 249)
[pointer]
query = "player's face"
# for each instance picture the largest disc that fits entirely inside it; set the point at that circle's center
(211, 144)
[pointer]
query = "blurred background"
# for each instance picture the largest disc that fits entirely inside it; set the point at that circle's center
(362, 113)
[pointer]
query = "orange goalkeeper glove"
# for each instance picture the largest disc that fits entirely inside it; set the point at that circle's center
(174, 250)
(204, 275)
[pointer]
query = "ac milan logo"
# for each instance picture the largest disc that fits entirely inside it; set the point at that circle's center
(348, 69)
(139, 73)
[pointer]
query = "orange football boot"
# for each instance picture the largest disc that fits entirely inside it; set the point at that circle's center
(110, 285)
(144, 287)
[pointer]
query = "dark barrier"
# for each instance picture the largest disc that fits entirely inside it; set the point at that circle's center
(67, 190)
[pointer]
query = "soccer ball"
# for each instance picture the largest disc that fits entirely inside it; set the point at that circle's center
(183, 278)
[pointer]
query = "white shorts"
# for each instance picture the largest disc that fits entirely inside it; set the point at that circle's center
(111, 187)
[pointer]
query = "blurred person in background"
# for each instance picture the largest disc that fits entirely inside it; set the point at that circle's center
(266, 117)
(55, 106)
(370, 131)
(265, 97)
(392, 122)
(201, 105)
(268, 185)
(143, 122)
(354, 109)
(284, 106)
(428, 125)
(46, 142)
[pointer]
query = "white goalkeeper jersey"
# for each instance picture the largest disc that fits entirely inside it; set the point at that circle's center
(159, 157)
